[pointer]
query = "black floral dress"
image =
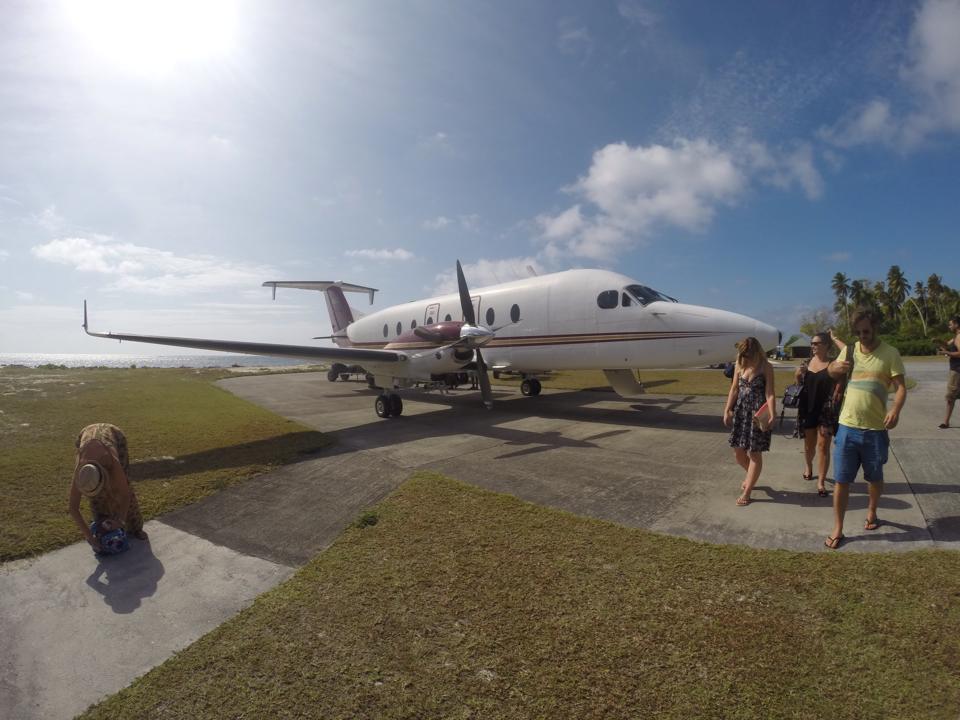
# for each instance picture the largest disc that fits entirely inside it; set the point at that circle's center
(745, 434)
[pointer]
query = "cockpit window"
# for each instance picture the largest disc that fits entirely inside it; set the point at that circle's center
(608, 299)
(646, 295)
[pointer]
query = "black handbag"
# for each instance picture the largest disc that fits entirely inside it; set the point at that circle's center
(791, 395)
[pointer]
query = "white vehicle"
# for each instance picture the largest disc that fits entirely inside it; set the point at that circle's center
(572, 320)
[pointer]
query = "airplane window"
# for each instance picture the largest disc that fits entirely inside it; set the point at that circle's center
(646, 295)
(399, 328)
(515, 313)
(491, 316)
(608, 299)
(448, 318)
(385, 329)
(413, 324)
(627, 302)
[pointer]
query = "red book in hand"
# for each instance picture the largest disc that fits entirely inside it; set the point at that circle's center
(761, 417)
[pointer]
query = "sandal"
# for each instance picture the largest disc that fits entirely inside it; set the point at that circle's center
(871, 524)
(743, 501)
(943, 426)
(807, 477)
(822, 492)
(833, 543)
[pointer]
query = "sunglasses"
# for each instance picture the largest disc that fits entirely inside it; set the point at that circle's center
(816, 342)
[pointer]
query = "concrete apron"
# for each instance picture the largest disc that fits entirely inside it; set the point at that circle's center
(73, 630)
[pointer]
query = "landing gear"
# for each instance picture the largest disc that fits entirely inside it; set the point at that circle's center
(332, 375)
(388, 405)
(530, 387)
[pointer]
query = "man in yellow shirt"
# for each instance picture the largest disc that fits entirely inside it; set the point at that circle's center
(862, 439)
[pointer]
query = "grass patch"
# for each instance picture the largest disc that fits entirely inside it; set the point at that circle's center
(187, 439)
(461, 603)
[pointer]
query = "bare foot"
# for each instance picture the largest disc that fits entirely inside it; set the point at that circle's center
(743, 500)
(140, 535)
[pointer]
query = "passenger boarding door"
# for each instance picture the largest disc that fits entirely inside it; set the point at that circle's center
(432, 314)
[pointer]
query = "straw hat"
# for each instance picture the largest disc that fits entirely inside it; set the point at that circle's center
(90, 479)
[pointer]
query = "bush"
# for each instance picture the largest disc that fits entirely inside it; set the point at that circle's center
(912, 346)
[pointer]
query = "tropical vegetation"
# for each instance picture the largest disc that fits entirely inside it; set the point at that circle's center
(913, 317)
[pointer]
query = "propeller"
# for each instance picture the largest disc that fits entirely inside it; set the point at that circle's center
(474, 335)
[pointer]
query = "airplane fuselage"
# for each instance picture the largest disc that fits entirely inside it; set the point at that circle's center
(573, 320)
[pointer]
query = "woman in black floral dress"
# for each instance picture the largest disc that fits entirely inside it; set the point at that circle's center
(752, 386)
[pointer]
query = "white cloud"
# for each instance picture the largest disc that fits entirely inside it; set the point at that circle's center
(147, 270)
(470, 223)
(574, 39)
(486, 272)
(836, 257)
(931, 78)
(25, 296)
(628, 192)
(4, 254)
(634, 188)
(375, 254)
(49, 219)
(637, 11)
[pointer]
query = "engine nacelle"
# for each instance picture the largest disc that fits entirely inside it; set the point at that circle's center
(437, 362)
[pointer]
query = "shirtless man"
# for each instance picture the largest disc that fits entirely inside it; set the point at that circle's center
(952, 351)
(100, 475)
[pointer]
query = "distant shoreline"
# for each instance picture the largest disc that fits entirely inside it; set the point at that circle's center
(83, 360)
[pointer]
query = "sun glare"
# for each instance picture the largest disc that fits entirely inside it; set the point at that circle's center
(155, 36)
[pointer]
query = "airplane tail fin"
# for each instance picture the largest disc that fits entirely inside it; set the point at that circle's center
(340, 313)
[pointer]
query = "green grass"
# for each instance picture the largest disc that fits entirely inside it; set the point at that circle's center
(461, 603)
(187, 439)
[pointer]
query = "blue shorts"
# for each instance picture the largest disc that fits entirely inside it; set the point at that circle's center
(855, 448)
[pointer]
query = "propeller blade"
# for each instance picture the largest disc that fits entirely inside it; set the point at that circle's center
(485, 392)
(466, 305)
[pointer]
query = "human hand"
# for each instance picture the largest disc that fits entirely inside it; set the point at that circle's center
(94, 543)
(891, 420)
(727, 418)
(842, 365)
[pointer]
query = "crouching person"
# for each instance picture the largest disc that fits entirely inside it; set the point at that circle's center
(100, 475)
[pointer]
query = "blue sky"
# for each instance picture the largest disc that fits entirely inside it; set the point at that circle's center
(163, 159)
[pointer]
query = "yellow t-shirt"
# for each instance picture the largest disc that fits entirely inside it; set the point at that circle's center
(865, 404)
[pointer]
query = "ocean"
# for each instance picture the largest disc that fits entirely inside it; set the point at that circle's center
(74, 360)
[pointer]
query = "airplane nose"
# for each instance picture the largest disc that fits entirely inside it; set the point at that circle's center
(768, 336)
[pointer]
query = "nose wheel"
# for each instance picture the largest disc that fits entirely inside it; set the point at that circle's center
(388, 405)
(530, 387)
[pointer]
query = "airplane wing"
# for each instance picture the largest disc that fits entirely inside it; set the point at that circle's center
(300, 352)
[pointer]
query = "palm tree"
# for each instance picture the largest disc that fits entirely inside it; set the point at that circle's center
(935, 290)
(841, 288)
(897, 288)
(921, 307)
(860, 294)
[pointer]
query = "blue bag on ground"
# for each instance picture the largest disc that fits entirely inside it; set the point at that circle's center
(112, 542)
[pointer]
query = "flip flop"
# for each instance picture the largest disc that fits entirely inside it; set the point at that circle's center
(871, 524)
(943, 426)
(832, 543)
(807, 477)
(742, 501)
(822, 492)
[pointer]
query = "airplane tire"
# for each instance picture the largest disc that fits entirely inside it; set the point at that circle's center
(396, 405)
(382, 406)
(344, 376)
(332, 375)
(530, 387)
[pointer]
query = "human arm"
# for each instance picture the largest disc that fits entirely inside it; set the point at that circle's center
(840, 344)
(899, 398)
(771, 392)
(74, 510)
(731, 397)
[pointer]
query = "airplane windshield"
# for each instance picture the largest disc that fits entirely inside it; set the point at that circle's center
(646, 295)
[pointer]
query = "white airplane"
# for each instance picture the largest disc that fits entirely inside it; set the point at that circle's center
(572, 320)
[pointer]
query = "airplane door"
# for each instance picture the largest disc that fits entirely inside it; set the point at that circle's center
(431, 314)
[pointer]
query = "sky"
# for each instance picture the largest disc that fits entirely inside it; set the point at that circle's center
(162, 158)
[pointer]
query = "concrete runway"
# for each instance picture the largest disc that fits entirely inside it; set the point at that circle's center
(73, 630)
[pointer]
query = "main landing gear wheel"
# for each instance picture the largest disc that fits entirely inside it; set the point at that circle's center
(388, 405)
(332, 375)
(530, 387)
